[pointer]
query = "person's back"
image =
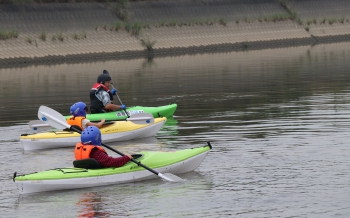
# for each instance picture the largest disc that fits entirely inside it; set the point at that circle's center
(90, 147)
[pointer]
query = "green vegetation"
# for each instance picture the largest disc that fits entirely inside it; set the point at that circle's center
(60, 36)
(5, 34)
(209, 21)
(332, 20)
(117, 26)
(173, 23)
(222, 21)
(277, 17)
(134, 29)
(292, 14)
(76, 36)
(248, 20)
(286, 5)
(120, 8)
(245, 44)
(49, 1)
(42, 36)
(29, 39)
(146, 25)
(83, 35)
(161, 24)
(148, 43)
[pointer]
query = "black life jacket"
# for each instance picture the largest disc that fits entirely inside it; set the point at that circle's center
(96, 106)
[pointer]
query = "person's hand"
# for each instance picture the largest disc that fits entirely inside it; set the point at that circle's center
(113, 91)
(100, 124)
(123, 107)
(129, 156)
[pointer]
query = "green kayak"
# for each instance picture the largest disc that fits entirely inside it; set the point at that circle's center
(160, 111)
(177, 162)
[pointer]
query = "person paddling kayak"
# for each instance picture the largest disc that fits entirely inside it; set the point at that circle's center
(90, 147)
(78, 110)
(101, 95)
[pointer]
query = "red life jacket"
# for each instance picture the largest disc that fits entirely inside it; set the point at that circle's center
(76, 121)
(82, 151)
(97, 86)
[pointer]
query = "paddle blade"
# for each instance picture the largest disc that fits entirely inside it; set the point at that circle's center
(38, 125)
(170, 177)
(52, 118)
(141, 118)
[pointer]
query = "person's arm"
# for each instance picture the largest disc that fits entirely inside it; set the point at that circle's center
(108, 103)
(112, 106)
(107, 161)
(98, 125)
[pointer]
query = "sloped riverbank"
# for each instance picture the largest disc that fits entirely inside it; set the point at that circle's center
(71, 32)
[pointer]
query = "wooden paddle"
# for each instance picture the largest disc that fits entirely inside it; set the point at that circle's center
(57, 120)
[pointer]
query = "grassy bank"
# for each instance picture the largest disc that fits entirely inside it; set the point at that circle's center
(59, 1)
(88, 28)
(49, 1)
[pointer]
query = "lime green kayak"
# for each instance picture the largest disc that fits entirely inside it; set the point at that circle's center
(160, 111)
(176, 162)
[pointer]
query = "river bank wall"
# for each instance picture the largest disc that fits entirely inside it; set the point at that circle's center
(73, 32)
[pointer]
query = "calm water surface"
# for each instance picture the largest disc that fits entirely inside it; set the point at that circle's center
(278, 121)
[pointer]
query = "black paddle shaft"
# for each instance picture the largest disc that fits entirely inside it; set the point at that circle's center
(120, 153)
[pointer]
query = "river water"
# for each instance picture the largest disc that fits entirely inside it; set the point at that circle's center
(278, 120)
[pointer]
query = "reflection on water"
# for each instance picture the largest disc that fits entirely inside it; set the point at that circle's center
(278, 121)
(140, 199)
(199, 84)
(91, 205)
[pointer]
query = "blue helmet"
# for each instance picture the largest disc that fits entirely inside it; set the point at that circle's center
(78, 109)
(91, 135)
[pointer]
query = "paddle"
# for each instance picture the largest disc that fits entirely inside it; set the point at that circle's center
(38, 125)
(116, 93)
(57, 120)
(141, 118)
(106, 72)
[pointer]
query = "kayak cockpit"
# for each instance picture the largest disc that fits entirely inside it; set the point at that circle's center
(87, 163)
(91, 163)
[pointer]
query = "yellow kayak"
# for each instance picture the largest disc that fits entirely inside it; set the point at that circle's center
(117, 131)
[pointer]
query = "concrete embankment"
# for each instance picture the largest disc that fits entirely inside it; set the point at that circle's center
(83, 31)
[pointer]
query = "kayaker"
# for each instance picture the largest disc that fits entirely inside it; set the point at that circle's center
(101, 95)
(78, 110)
(90, 147)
